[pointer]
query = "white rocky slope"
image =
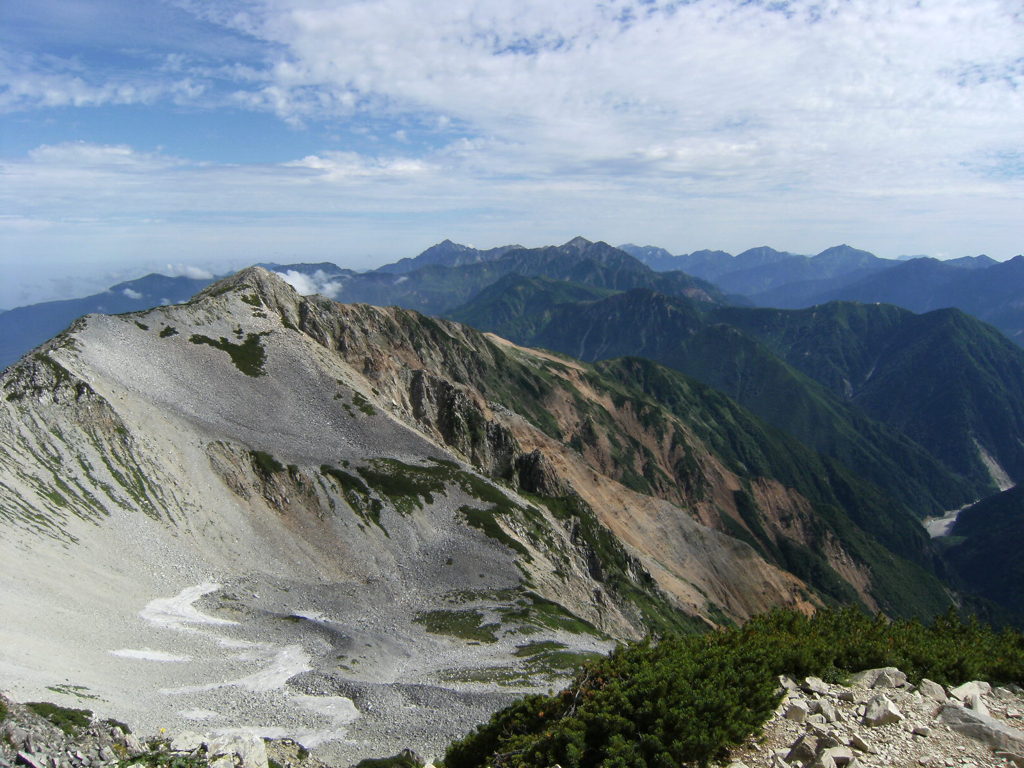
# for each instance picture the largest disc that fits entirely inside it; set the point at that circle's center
(213, 520)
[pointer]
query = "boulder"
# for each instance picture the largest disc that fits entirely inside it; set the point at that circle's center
(815, 685)
(983, 728)
(797, 711)
(250, 749)
(932, 690)
(975, 702)
(883, 677)
(978, 687)
(187, 741)
(880, 711)
(32, 761)
(839, 756)
(857, 742)
(133, 745)
(804, 749)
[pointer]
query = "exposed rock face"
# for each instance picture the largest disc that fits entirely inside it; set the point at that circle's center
(31, 740)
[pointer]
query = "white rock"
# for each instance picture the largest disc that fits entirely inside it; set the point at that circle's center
(840, 756)
(975, 702)
(883, 677)
(961, 692)
(881, 711)
(858, 742)
(250, 749)
(932, 690)
(797, 712)
(133, 745)
(816, 685)
(187, 741)
(982, 728)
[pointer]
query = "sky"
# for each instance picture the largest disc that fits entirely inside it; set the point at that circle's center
(194, 136)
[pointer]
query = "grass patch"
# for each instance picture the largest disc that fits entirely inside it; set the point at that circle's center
(248, 357)
(168, 330)
(532, 609)
(356, 494)
(538, 647)
(363, 404)
(143, 326)
(65, 718)
(499, 675)
(265, 464)
(78, 691)
(404, 485)
(404, 759)
(465, 625)
(486, 520)
(252, 299)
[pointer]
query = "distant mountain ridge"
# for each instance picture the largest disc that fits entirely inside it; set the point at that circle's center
(979, 285)
(447, 254)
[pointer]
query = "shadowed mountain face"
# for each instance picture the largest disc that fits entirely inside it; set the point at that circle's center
(990, 291)
(989, 533)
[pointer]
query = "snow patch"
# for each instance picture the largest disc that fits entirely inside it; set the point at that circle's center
(175, 612)
(147, 654)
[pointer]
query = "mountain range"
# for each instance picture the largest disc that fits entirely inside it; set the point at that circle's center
(979, 285)
(322, 517)
(387, 509)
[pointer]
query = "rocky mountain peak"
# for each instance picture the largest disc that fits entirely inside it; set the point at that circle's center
(578, 243)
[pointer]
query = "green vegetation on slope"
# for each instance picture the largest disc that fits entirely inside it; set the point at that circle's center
(857, 513)
(65, 718)
(987, 533)
(687, 699)
(943, 378)
(248, 357)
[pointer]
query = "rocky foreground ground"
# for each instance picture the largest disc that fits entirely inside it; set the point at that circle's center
(879, 720)
(882, 721)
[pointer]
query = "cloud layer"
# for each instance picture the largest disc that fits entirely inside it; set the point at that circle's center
(895, 125)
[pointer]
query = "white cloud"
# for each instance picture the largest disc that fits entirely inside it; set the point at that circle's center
(132, 294)
(188, 270)
(319, 282)
(894, 126)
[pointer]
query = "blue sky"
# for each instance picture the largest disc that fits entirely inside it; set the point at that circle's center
(185, 135)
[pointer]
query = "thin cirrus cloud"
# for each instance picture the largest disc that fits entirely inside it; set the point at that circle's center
(895, 125)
